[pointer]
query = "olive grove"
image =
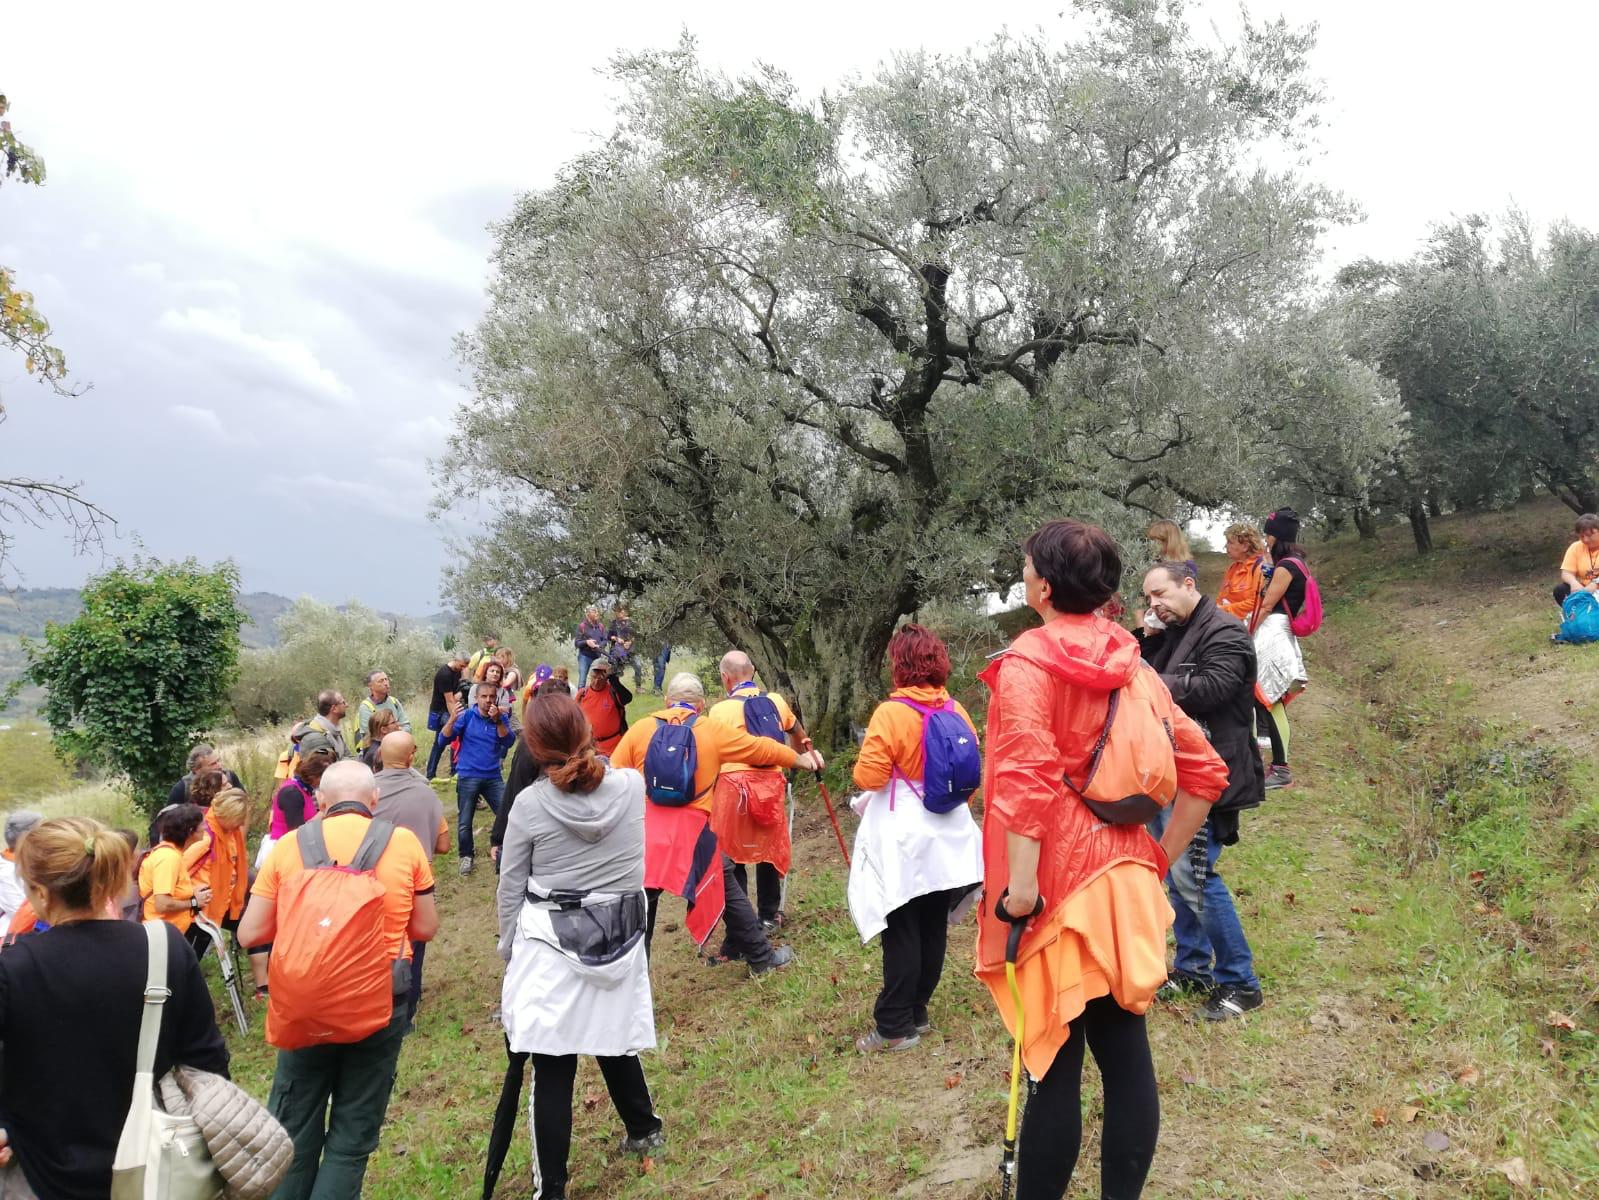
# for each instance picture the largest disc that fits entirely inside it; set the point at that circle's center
(791, 368)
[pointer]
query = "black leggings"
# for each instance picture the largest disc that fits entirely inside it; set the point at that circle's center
(1052, 1130)
(552, 1111)
(1264, 720)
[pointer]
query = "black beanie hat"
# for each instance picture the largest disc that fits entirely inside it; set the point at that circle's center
(1283, 525)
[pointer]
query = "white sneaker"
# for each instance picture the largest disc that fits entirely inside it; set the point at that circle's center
(466, 864)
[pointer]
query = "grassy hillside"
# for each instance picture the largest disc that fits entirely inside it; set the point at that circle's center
(1420, 906)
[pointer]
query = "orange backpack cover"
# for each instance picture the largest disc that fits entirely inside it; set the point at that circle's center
(330, 980)
(1132, 773)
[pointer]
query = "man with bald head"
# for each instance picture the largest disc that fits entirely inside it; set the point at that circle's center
(332, 1142)
(406, 798)
(749, 810)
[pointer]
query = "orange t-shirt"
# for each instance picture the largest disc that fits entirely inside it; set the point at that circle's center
(730, 712)
(163, 874)
(894, 738)
(219, 861)
(714, 744)
(1581, 562)
(403, 870)
(604, 714)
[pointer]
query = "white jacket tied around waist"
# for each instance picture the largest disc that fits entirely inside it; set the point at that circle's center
(902, 851)
(560, 999)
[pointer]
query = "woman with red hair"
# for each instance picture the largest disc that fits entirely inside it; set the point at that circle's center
(1093, 950)
(918, 853)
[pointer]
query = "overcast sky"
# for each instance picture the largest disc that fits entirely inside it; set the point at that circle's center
(263, 226)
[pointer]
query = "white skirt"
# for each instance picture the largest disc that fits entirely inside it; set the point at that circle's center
(1280, 665)
(552, 1004)
(903, 851)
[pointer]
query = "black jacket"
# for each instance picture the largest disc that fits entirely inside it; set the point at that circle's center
(1208, 662)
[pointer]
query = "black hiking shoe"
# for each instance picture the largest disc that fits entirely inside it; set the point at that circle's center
(650, 1143)
(781, 957)
(1228, 1002)
(1279, 777)
(1183, 983)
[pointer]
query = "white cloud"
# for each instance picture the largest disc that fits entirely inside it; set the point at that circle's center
(148, 272)
(204, 419)
(290, 360)
(324, 493)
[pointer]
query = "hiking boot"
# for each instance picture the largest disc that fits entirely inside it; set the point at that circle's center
(466, 864)
(875, 1043)
(1278, 777)
(1183, 983)
(648, 1144)
(1227, 1002)
(781, 957)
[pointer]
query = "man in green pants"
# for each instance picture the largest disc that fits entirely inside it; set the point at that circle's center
(332, 1144)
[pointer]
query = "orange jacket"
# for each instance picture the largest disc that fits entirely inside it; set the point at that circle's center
(220, 861)
(1241, 589)
(894, 738)
(1051, 691)
(714, 743)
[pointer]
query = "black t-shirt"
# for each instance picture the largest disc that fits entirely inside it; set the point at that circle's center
(1294, 598)
(180, 790)
(70, 1003)
(445, 680)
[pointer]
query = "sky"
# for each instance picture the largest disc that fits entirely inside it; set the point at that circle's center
(263, 227)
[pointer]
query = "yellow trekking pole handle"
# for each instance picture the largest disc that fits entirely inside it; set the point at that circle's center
(1013, 943)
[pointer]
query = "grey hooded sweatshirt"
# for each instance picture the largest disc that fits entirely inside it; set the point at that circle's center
(568, 841)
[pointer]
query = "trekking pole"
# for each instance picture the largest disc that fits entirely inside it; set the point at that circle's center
(782, 892)
(1013, 942)
(827, 799)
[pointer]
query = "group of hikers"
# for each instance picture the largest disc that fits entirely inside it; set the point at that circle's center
(1113, 767)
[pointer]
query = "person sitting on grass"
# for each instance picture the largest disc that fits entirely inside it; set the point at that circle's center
(1579, 570)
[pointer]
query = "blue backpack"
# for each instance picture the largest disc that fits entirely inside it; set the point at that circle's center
(949, 748)
(761, 718)
(670, 761)
(1579, 622)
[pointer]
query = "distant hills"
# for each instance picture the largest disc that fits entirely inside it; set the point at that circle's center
(26, 611)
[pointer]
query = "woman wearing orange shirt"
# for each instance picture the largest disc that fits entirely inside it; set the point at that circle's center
(1245, 581)
(169, 894)
(1093, 956)
(915, 870)
(217, 859)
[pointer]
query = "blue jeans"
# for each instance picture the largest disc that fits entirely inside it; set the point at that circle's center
(467, 791)
(1210, 939)
(436, 722)
(585, 660)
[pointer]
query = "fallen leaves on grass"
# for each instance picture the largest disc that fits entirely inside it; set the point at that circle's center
(1435, 1141)
(1468, 1076)
(1408, 1113)
(1559, 1020)
(1379, 1117)
(591, 1100)
(1515, 1170)
(952, 1081)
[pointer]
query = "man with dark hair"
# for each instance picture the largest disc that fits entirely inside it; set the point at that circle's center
(330, 710)
(1207, 660)
(1579, 570)
(443, 705)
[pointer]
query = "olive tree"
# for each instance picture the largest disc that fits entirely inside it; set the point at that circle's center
(793, 368)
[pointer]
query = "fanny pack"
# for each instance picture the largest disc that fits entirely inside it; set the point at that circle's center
(591, 928)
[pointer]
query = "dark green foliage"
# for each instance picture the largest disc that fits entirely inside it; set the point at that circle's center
(144, 671)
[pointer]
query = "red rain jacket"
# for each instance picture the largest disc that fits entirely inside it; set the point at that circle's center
(1050, 693)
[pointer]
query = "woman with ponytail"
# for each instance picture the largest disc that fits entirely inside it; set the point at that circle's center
(71, 999)
(572, 911)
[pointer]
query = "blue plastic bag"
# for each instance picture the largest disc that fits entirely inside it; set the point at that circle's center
(1579, 621)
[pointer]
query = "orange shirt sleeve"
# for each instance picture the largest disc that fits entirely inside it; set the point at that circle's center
(738, 744)
(629, 751)
(874, 766)
(199, 872)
